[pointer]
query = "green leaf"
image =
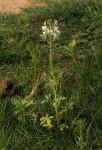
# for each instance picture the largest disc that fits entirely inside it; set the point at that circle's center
(3, 148)
(70, 105)
(72, 44)
(69, 49)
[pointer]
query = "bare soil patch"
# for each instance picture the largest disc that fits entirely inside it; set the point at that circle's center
(16, 6)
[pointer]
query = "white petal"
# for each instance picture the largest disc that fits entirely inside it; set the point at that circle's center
(44, 35)
(45, 23)
(58, 32)
(55, 21)
(44, 27)
(55, 28)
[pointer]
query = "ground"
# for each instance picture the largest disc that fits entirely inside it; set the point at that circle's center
(16, 6)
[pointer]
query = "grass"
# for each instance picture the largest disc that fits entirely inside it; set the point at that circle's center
(76, 112)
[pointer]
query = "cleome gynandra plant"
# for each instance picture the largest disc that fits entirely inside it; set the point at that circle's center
(50, 33)
(55, 104)
(58, 103)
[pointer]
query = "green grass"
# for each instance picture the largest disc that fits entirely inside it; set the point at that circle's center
(77, 70)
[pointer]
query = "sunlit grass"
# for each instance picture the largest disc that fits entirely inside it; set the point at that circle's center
(62, 111)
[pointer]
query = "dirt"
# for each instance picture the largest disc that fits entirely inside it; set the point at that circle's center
(16, 6)
(6, 87)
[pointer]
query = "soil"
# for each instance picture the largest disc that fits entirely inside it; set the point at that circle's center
(16, 6)
(6, 87)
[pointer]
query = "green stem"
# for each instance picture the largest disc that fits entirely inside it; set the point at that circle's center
(51, 65)
(52, 74)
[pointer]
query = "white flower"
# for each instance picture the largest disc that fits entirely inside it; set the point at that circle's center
(50, 29)
(49, 32)
(45, 23)
(58, 32)
(44, 27)
(55, 28)
(54, 36)
(44, 35)
(55, 22)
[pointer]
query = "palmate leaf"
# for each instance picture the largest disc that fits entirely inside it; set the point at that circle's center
(22, 103)
(43, 120)
(48, 126)
(71, 45)
(46, 122)
(63, 126)
(46, 100)
(68, 50)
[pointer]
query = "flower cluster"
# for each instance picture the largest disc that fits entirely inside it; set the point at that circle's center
(50, 30)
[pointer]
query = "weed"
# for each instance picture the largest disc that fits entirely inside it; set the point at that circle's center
(58, 76)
